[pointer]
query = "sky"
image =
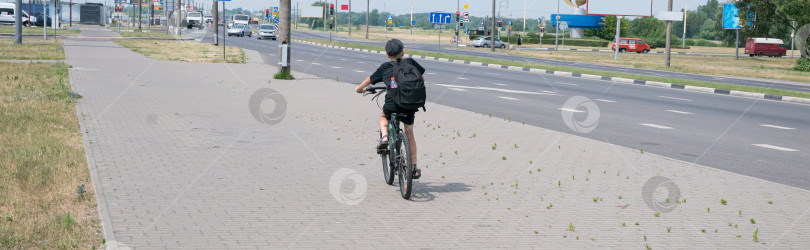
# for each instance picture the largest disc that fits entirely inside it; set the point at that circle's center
(534, 8)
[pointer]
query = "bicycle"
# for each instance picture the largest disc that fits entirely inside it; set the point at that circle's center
(460, 40)
(393, 161)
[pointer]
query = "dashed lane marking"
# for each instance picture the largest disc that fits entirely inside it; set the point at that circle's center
(655, 126)
(509, 98)
(603, 100)
(775, 147)
(774, 126)
(675, 98)
(680, 112)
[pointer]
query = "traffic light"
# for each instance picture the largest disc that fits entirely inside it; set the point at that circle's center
(266, 13)
(500, 23)
(542, 29)
(458, 14)
(331, 9)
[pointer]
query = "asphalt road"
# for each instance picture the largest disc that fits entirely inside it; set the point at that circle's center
(759, 138)
(658, 73)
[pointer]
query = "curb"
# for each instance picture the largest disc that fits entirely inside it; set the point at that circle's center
(597, 77)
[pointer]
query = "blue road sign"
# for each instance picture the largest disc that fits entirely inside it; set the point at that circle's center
(275, 20)
(223, 0)
(275, 9)
(438, 17)
(390, 18)
(413, 22)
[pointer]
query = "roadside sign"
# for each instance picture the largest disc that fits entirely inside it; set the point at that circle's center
(390, 18)
(466, 6)
(466, 16)
(438, 17)
(413, 22)
(275, 20)
(275, 9)
(563, 25)
(344, 7)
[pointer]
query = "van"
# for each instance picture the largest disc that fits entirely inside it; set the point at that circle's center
(765, 47)
(7, 15)
(631, 44)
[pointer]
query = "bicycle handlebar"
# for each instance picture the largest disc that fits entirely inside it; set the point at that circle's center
(373, 90)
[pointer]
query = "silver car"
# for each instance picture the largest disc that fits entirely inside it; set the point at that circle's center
(266, 31)
(486, 42)
(240, 30)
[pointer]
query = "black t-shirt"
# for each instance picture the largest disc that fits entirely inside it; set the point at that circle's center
(384, 73)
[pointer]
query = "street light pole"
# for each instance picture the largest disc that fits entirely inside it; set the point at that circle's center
(367, 8)
(669, 37)
(18, 22)
(557, 29)
(284, 36)
(492, 33)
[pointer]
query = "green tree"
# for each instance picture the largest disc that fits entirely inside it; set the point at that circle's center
(609, 31)
(647, 27)
(773, 18)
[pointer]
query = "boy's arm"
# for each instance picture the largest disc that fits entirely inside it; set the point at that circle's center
(361, 88)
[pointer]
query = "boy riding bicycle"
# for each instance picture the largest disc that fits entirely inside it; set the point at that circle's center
(385, 74)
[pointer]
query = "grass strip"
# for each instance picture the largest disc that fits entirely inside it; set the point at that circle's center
(715, 85)
(47, 199)
(141, 33)
(9, 30)
(185, 51)
(31, 49)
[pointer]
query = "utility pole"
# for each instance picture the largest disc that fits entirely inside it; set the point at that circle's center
(367, 8)
(284, 36)
(140, 14)
(618, 39)
(178, 12)
(683, 43)
(669, 36)
(325, 14)
(557, 29)
(412, 20)
(215, 21)
(524, 17)
(492, 33)
(45, 22)
(350, 17)
(793, 39)
(70, 15)
(18, 22)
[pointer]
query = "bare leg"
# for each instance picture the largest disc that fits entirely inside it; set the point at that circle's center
(412, 139)
(384, 126)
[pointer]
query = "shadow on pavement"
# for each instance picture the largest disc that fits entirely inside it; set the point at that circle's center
(423, 191)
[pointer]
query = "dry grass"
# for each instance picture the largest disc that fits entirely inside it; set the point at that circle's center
(140, 33)
(32, 49)
(377, 33)
(186, 51)
(760, 67)
(43, 162)
(9, 29)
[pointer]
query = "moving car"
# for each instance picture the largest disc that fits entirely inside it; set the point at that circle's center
(240, 30)
(7, 15)
(209, 19)
(266, 30)
(765, 47)
(486, 42)
(41, 18)
(631, 44)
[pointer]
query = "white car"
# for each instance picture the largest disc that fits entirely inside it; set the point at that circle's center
(486, 42)
(240, 30)
(267, 31)
(7, 15)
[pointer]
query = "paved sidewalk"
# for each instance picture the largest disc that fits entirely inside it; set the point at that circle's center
(179, 161)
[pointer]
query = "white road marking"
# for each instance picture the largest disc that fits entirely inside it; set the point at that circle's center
(361, 62)
(343, 59)
(775, 147)
(674, 98)
(316, 63)
(430, 73)
(680, 112)
(655, 125)
(571, 110)
(500, 84)
(359, 71)
(508, 98)
(491, 74)
(494, 89)
(774, 126)
(603, 100)
(336, 67)
(565, 83)
(457, 89)
(461, 78)
(299, 60)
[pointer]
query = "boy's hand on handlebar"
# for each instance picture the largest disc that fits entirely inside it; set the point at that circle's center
(359, 89)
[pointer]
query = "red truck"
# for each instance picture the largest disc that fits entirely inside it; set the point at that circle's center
(765, 47)
(631, 44)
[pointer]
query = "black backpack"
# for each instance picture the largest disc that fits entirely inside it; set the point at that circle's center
(410, 91)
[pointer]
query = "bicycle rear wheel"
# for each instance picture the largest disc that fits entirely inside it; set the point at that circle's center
(405, 168)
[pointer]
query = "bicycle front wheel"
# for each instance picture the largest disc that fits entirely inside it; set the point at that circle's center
(388, 172)
(405, 168)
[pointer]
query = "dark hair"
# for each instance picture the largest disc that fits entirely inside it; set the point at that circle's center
(394, 47)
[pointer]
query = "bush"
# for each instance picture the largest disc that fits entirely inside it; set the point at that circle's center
(534, 38)
(803, 64)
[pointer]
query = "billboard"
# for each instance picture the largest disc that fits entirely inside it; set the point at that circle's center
(619, 8)
(580, 21)
(731, 16)
(312, 11)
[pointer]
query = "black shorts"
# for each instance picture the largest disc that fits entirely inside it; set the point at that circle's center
(408, 120)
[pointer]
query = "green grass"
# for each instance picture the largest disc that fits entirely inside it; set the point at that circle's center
(140, 33)
(31, 49)
(180, 50)
(43, 162)
(9, 29)
(578, 70)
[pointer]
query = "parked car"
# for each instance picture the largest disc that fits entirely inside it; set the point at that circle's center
(486, 42)
(266, 31)
(631, 44)
(765, 47)
(240, 30)
(41, 18)
(209, 19)
(7, 15)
